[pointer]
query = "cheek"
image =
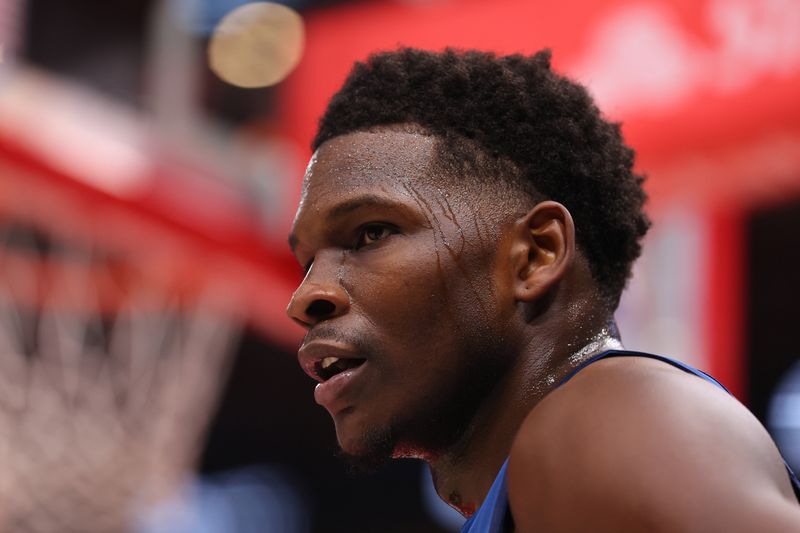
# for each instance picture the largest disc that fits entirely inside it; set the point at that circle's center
(420, 296)
(399, 296)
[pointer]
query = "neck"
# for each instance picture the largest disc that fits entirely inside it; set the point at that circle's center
(464, 473)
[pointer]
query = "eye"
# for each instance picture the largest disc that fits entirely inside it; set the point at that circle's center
(371, 233)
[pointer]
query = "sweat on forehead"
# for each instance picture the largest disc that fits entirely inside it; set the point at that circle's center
(376, 171)
(368, 155)
(405, 153)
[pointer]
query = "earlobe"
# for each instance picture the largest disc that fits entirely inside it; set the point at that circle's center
(544, 249)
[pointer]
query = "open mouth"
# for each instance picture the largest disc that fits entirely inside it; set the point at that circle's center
(328, 367)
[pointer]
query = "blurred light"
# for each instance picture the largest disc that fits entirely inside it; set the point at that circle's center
(88, 136)
(200, 17)
(12, 24)
(661, 310)
(256, 45)
(783, 417)
(255, 499)
(642, 57)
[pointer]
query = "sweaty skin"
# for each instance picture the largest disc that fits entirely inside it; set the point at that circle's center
(460, 308)
(633, 445)
(428, 297)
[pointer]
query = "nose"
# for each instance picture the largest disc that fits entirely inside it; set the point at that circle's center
(319, 297)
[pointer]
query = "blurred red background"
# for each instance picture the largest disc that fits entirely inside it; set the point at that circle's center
(706, 92)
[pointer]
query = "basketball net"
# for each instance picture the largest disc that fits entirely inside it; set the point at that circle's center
(111, 364)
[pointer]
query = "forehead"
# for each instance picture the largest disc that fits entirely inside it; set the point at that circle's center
(381, 158)
(388, 164)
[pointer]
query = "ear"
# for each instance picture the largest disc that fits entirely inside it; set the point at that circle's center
(543, 249)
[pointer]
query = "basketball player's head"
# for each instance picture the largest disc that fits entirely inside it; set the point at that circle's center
(460, 209)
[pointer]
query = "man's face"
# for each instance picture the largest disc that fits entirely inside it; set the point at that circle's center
(403, 297)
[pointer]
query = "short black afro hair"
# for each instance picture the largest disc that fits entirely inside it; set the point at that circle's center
(514, 108)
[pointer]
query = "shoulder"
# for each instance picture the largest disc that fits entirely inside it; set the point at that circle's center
(635, 444)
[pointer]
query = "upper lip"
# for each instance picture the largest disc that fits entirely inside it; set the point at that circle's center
(311, 354)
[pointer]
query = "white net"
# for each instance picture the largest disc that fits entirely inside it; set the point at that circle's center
(108, 377)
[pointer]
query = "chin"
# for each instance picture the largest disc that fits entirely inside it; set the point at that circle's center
(365, 460)
(368, 450)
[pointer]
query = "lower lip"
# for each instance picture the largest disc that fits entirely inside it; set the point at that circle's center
(329, 394)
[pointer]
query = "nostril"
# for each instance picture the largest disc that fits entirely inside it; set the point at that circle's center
(320, 308)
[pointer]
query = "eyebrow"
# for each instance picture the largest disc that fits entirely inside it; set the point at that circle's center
(344, 208)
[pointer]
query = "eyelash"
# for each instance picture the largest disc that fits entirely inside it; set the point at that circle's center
(362, 231)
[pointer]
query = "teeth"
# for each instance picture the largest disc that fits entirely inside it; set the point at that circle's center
(328, 361)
